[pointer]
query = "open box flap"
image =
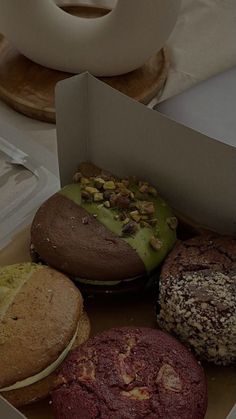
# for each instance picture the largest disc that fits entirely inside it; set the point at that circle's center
(197, 174)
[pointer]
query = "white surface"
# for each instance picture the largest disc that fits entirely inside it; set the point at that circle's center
(16, 183)
(194, 172)
(208, 107)
(25, 181)
(117, 43)
(40, 132)
(202, 44)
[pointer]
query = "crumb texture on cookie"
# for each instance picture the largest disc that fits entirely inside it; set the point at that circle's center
(131, 372)
(40, 321)
(12, 278)
(42, 388)
(197, 300)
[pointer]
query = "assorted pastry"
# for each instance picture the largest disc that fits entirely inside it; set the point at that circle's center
(130, 373)
(41, 320)
(112, 234)
(197, 296)
(104, 232)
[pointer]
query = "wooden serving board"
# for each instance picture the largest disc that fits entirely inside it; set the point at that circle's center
(29, 88)
(127, 311)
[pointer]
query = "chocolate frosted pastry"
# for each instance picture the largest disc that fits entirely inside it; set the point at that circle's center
(130, 373)
(103, 230)
(197, 300)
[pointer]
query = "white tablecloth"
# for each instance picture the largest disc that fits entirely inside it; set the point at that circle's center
(201, 45)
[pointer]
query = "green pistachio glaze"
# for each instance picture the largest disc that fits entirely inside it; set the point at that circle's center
(140, 241)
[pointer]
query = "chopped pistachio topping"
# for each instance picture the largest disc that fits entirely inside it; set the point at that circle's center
(143, 188)
(107, 204)
(155, 243)
(135, 216)
(130, 228)
(98, 196)
(132, 199)
(99, 182)
(109, 185)
(91, 190)
(83, 180)
(126, 221)
(172, 223)
(146, 207)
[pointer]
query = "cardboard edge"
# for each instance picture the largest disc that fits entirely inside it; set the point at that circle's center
(93, 118)
(63, 93)
(7, 411)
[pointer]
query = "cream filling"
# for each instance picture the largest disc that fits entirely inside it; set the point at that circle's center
(109, 283)
(45, 373)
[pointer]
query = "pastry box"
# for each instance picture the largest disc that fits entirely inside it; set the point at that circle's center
(196, 173)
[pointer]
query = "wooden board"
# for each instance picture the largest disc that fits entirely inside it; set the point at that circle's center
(29, 88)
(136, 311)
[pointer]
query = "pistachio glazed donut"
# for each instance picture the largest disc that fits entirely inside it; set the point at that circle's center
(104, 231)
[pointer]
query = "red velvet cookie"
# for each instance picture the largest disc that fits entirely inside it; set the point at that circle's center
(131, 373)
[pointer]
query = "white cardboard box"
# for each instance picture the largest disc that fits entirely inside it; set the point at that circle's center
(7, 411)
(208, 107)
(197, 174)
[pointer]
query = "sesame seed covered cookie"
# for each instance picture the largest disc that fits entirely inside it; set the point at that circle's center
(197, 300)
